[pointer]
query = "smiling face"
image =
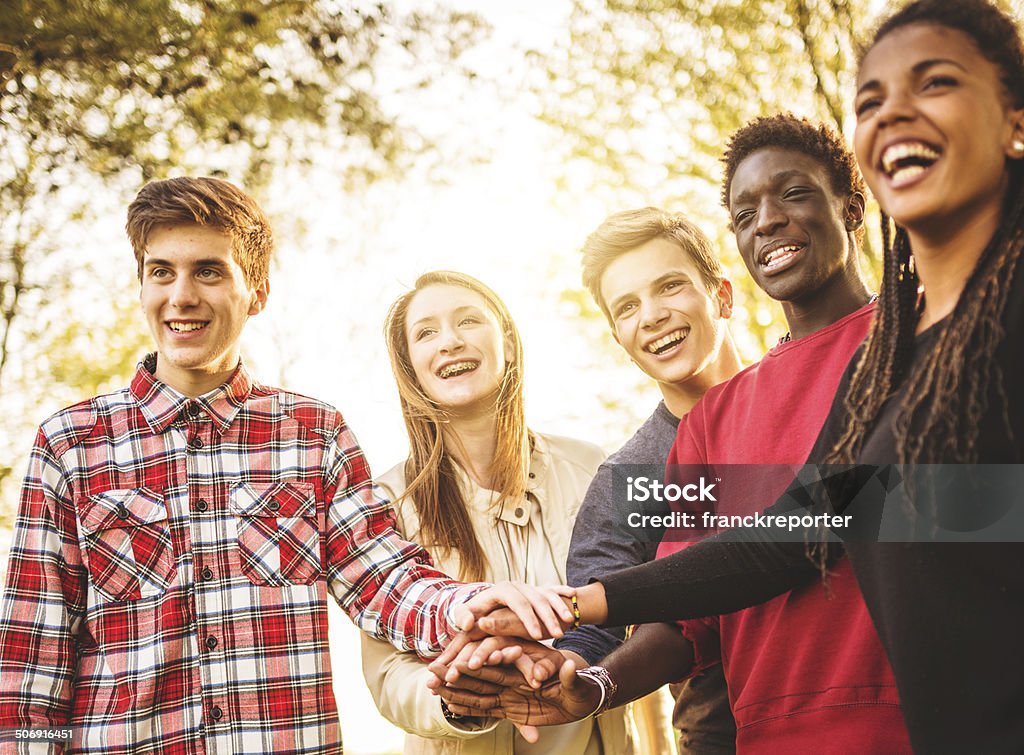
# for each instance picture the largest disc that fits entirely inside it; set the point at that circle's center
(196, 302)
(456, 347)
(671, 326)
(792, 230)
(934, 129)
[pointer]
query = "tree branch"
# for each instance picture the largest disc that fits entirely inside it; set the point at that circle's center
(803, 19)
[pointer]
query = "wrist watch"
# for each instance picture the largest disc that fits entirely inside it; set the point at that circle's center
(599, 675)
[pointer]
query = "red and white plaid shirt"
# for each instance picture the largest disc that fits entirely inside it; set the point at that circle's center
(167, 585)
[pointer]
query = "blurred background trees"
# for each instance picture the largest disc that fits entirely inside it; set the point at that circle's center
(646, 93)
(653, 87)
(100, 96)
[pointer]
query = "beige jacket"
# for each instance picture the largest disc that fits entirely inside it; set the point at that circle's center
(560, 471)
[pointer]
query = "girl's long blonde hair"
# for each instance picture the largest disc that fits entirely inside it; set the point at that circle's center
(430, 469)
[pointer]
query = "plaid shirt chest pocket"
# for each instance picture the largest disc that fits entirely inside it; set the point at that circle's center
(127, 543)
(278, 532)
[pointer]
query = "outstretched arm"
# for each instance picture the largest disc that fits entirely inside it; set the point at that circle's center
(387, 585)
(726, 573)
(541, 612)
(600, 544)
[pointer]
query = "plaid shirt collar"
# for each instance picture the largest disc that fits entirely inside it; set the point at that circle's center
(161, 405)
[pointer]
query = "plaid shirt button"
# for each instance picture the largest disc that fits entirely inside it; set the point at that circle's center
(202, 505)
(206, 573)
(211, 642)
(195, 443)
(216, 713)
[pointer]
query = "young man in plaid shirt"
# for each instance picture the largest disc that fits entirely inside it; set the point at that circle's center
(176, 540)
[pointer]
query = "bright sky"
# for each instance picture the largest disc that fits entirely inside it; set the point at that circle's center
(502, 221)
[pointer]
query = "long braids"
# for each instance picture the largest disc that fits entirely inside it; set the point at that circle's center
(883, 364)
(948, 393)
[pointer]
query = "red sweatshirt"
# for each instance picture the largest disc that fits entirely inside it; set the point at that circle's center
(806, 671)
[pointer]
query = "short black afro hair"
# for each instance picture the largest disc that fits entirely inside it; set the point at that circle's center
(787, 131)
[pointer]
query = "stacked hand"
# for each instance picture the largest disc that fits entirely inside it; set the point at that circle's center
(514, 609)
(510, 678)
(517, 609)
(507, 676)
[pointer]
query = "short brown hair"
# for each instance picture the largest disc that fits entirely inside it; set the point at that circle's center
(204, 201)
(625, 231)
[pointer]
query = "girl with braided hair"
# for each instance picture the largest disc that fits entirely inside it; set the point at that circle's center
(940, 141)
(945, 163)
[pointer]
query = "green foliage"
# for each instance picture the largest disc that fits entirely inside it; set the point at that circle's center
(660, 80)
(99, 96)
(89, 356)
(646, 92)
(112, 93)
(143, 84)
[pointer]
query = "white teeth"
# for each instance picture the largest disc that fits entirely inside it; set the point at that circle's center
(901, 176)
(186, 327)
(906, 150)
(457, 369)
(780, 254)
(675, 335)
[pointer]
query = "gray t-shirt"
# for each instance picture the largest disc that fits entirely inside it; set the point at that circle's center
(702, 714)
(597, 547)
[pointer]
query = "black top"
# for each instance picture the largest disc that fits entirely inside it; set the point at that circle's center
(950, 615)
